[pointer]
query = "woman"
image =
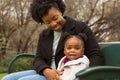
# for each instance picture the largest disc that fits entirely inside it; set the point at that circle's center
(50, 46)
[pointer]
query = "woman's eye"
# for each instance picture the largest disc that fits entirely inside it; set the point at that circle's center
(47, 23)
(55, 18)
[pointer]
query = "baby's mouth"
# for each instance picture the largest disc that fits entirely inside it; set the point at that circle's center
(72, 55)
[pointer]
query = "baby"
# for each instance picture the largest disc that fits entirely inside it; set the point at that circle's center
(74, 59)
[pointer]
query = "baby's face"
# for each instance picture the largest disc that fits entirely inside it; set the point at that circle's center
(73, 48)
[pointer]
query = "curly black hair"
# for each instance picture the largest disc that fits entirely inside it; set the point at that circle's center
(40, 7)
(81, 36)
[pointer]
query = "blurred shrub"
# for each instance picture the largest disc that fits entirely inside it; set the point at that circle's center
(5, 61)
(20, 65)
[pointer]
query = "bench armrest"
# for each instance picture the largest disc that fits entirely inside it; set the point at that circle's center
(99, 72)
(16, 58)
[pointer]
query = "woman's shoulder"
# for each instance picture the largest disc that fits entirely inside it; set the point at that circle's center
(45, 33)
(74, 23)
(72, 20)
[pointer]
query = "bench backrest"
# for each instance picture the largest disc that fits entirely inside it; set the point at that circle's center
(111, 70)
(111, 52)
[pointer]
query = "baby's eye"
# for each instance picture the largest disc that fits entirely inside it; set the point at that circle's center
(68, 47)
(77, 48)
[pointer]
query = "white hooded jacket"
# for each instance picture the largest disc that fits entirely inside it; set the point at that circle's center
(72, 67)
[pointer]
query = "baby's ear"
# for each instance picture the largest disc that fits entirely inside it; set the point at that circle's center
(64, 49)
(83, 50)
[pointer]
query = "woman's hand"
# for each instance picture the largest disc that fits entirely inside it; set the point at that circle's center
(59, 72)
(51, 74)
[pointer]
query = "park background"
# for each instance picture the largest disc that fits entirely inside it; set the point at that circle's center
(19, 32)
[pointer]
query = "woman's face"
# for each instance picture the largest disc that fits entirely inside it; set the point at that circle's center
(73, 48)
(54, 19)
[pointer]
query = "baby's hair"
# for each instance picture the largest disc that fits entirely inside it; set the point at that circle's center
(39, 8)
(80, 36)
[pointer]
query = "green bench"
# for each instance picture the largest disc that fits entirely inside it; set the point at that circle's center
(111, 70)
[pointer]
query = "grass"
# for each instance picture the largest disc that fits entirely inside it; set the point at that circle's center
(2, 74)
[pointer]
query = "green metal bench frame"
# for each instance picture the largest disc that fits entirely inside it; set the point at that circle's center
(99, 73)
(18, 57)
(111, 52)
